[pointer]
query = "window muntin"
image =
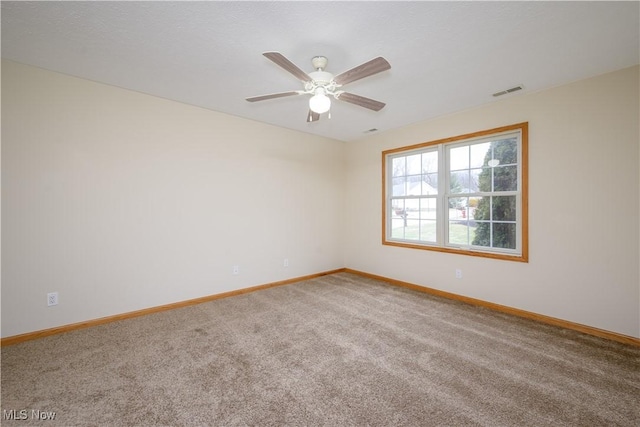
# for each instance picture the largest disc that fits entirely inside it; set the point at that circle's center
(465, 194)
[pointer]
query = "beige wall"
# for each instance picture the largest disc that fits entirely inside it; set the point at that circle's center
(583, 194)
(121, 201)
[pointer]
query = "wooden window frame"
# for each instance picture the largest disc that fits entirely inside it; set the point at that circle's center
(523, 192)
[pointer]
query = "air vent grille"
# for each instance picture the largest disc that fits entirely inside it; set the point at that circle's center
(506, 91)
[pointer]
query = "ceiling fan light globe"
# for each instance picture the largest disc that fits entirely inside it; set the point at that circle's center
(319, 103)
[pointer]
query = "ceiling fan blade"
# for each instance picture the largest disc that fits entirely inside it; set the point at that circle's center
(312, 116)
(272, 96)
(369, 103)
(280, 60)
(367, 69)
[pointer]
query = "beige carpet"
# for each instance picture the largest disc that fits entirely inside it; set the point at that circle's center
(337, 350)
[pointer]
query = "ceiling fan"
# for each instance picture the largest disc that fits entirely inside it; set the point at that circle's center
(321, 84)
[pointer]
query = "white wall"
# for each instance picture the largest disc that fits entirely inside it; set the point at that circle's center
(583, 195)
(121, 201)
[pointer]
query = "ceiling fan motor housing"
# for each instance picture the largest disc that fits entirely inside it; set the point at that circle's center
(319, 62)
(321, 77)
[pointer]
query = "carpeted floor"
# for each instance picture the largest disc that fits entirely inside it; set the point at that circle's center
(336, 350)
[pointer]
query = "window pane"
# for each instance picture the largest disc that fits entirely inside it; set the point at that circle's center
(412, 231)
(398, 187)
(458, 234)
(459, 158)
(458, 182)
(428, 208)
(506, 151)
(474, 183)
(397, 228)
(504, 236)
(430, 162)
(456, 210)
(414, 185)
(397, 208)
(414, 164)
(455, 206)
(429, 184)
(504, 208)
(398, 166)
(505, 178)
(485, 180)
(482, 236)
(479, 154)
(428, 230)
(482, 211)
(473, 206)
(461, 232)
(397, 219)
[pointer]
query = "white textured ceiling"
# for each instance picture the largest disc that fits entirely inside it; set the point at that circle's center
(445, 56)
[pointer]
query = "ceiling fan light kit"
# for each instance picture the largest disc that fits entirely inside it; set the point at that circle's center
(321, 84)
(320, 102)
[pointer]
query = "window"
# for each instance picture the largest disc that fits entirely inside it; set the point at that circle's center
(466, 194)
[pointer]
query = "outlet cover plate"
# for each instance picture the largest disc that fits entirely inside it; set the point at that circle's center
(52, 299)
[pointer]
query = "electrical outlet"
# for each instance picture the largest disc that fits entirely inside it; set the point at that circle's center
(286, 262)
(52, 299)
(236, 269)
(458, 273)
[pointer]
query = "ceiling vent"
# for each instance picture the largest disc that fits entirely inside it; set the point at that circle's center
(513, 89)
